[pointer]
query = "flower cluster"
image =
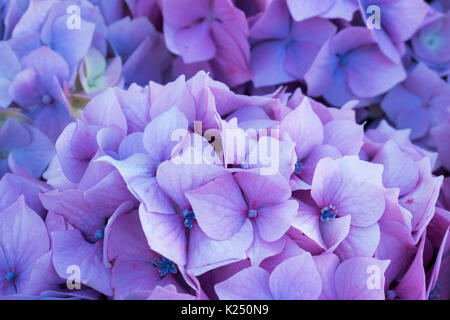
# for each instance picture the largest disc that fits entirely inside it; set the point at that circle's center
(224, 149)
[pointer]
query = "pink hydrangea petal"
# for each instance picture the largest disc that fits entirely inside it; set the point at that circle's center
(220, 214)
(249, 284)
(361, 279)
(296, 279)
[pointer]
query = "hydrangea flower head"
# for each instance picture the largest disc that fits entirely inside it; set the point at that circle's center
(212, 31)
(340, 70)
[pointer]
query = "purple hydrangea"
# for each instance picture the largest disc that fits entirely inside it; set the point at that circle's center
(224, 149)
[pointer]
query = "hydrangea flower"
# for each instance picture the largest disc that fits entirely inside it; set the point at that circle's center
(142, 50)
(418, 103)
(341, 70)
(430, 44)
(125, 155)
(136, 268)
(418, 188)
(398, 30)
(45, 23)
(177, 235)
(23, 148)
(315, 140)
(341, 213)
(265, 199)
(38, 90)
(283, 49)
(212, 31)
(23, 240)
(115, 113)
(89, 238)
(13, 186)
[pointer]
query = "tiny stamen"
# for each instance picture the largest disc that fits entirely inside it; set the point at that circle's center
(189, 216)
(299, 167)
(252, 213)
(343, 60)
(99, 234)
(46, 99)
(165, 266)
(328, 213)
(10, 276)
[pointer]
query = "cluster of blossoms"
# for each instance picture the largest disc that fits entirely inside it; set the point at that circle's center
(224, 149)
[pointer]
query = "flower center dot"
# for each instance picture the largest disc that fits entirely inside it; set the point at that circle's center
(328, 213)
(165, 266)
(189, 218)
(99, 234)
(343, 60)
(252, 213)
(10, 276)
(299, 167)
(46, 99)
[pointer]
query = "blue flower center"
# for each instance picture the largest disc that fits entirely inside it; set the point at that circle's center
(343, 60)
(189, 218)
(328, 213)
(252, 213)
(299, 167)
(99, 234)
(11, 276)
(432, 42)
(46, 99)
(165, 266)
